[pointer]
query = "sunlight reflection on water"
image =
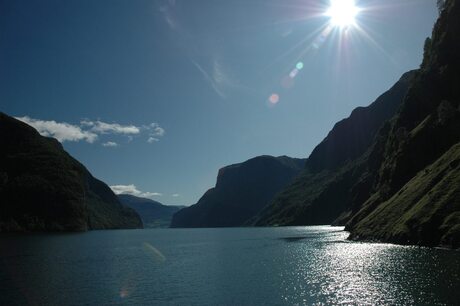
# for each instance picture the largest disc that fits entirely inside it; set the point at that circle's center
(249, 266)
(342, 272)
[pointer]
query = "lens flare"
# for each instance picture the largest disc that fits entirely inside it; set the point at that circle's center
(274, 99)
(124, 293)
(343, 27)
(293, 73)
(287, 82)
(155, 254)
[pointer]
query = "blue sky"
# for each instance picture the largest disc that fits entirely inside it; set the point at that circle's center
(155, 96)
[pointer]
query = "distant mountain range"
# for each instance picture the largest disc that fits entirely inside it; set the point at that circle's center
(42, 188)
(241, 191)
(152, 213)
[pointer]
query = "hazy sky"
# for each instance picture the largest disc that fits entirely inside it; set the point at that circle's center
(161, 94)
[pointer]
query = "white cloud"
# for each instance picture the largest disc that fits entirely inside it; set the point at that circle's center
(151, 194)
(62, 131)
(90, 131)
(219, 76)
(167, 9)
(210, 79)
(176, 195)
(110, 144)
(132, 190)
(111, 128)
(157, 130)
(152, 140)
(120, 189)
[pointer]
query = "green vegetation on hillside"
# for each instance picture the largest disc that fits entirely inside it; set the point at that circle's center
(425, 211)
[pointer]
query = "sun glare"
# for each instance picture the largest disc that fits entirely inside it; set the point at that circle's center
(342, 13)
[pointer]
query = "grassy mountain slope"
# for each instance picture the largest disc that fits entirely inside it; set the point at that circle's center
(424, 211)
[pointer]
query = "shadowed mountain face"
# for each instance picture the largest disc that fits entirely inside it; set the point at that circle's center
(42, 188)
(152, 213)
(241, 191)
(417, 186)
(336, 171)
(391, 172)
(352, 136)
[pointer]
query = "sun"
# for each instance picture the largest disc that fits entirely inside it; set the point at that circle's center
(342, 13)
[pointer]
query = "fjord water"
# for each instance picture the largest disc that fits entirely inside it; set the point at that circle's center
(232, 266)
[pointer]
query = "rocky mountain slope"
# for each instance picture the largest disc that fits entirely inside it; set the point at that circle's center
(336, 170)
(241, 191)
(418, 153)
(42, 188)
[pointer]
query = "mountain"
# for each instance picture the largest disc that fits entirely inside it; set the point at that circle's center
(152, 213)
(42, 188)
(396, 177)
(241, 191)
(426, 210)
(416, 191)
(336, 171)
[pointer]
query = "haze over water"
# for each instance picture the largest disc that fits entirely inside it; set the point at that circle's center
(240, 266)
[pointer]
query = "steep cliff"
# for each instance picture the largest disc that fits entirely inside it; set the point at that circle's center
(241, 191)
(336, 173)
(418, 152)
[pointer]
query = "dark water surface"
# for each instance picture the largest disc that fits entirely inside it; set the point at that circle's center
(241, 266)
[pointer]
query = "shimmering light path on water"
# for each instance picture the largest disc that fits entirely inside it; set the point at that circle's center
(257, 266)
